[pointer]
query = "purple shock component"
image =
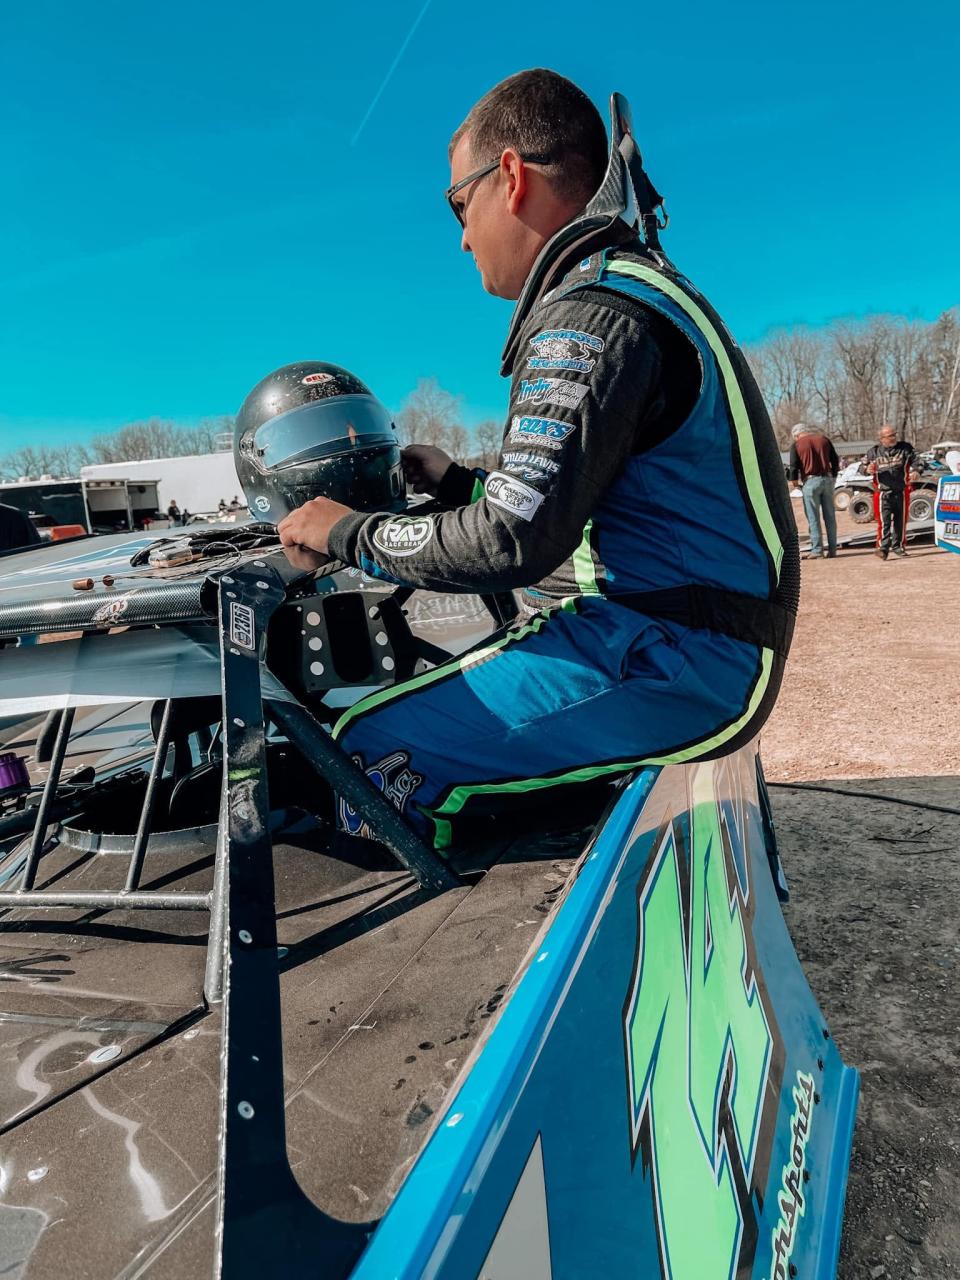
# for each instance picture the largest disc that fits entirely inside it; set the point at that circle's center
(13, 775)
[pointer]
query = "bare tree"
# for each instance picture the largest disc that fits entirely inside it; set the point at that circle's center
(428, 415)
(853, 375)
(487, 437)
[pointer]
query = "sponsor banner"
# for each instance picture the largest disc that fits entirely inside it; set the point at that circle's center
(511, 494)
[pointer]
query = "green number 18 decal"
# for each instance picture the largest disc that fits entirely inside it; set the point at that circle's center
(699, 1042)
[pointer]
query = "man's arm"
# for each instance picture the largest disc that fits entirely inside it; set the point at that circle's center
(834, 460)
(794, 464)
(572, 423)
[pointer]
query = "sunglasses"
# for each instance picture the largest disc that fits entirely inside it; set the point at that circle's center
(459, 211)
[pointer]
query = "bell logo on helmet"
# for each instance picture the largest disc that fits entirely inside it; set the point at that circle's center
(313, 378)
(404, 536)
(261, 503)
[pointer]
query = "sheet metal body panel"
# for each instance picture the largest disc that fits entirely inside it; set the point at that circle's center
(559, 1074)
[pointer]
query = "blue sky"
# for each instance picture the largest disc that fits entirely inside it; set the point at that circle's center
(187, 205)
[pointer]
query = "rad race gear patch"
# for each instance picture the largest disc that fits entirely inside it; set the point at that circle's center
(545, 431)
(558, 391)
(404, 536)
(565, 349)
(512, 495)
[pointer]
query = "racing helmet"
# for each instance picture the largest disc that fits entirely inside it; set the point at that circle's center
(313, 430)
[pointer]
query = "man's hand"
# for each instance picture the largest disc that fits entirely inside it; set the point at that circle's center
(424, 466)
(305, 559)
(310, 525)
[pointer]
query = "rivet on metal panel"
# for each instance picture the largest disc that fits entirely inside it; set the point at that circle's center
(245, 1109)
(245, 935)
(228, 581)
(262, 585)
(454, 1120)
(241, 724)
(313, 619)
(381, 637)
(388, 664)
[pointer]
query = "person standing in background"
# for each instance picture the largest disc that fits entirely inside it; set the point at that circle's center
(893, 465)
(813, 466)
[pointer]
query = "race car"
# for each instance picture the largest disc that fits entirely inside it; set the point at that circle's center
(240, 1042)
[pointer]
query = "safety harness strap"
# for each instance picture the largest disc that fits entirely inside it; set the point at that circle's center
(742, 617)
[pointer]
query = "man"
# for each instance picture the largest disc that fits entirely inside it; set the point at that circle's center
(173, 513)
(16, 529)
(639, 502)
(813, 466)
(892, 464)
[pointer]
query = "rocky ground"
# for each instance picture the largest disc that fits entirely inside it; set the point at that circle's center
(870, 705)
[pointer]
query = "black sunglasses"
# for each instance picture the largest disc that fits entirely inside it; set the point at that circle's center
(458, 210)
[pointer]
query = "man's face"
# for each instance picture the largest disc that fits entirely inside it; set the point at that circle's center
(888, 437)
(490, 231)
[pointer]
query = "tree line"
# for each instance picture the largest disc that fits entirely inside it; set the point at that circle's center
(848, 377)
(851, 377)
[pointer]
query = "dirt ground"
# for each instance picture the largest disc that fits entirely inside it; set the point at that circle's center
(871, 686)
(869, 705)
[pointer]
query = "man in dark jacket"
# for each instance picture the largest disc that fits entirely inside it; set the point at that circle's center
(639, 503)
(813, 466)
(893, 465)
(16, 529)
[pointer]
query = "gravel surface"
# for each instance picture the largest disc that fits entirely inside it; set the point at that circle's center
(871, 683)
(869, 705)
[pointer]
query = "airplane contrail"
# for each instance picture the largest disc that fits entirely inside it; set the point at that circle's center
(393, 66)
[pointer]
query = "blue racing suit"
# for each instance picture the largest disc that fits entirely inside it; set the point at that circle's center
(639, 504)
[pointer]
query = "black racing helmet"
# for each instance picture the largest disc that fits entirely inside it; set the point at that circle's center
(313, 430)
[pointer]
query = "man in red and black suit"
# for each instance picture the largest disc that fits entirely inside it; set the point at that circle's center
(893, 465)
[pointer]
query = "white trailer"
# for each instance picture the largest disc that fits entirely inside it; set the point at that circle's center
(195, 483)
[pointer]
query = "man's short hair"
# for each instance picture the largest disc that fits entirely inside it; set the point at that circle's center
(539, 112)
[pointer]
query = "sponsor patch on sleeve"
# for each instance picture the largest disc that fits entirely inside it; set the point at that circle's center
(565, 349)
(511, 494)
(560, 391)
(541, 431)
(404, 535)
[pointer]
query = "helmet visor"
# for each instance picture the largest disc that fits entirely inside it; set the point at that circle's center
(322, 429)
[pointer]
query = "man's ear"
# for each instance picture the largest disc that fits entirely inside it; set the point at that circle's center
(514, 174)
